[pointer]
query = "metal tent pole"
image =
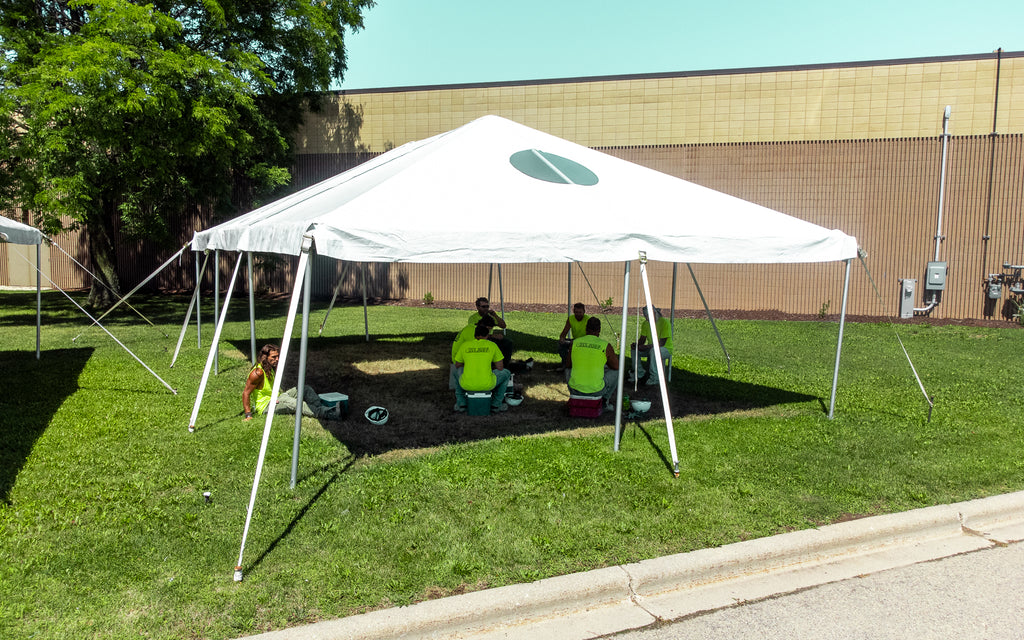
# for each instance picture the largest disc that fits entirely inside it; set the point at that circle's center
(199, 301)
(366, 316)
(39, 296)
(213, 349)
(568, 279)
(191, 305)
(334, 298)
(656, 349)
(707, 310)
(216, 303)
(501, 293)
(285, 340)
(252, 307)
(622, 358)
(839, 342)
(300, 389)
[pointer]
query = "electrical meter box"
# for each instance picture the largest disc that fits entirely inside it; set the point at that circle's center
(936, 276)
(907, 287)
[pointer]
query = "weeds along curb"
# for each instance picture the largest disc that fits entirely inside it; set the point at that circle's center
(562, 595)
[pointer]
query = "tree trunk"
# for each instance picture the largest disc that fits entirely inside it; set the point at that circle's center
(106, 287)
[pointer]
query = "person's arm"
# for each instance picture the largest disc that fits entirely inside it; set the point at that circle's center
(565, 331)
(498, 322)
(498, 366)
(613, 361)
(253, 382)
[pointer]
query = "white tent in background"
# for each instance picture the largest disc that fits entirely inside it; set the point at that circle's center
(17, 233)
(494, 191)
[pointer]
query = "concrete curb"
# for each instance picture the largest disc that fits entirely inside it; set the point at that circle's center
(625, 589)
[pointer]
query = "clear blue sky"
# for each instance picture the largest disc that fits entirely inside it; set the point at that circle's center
(424, 42)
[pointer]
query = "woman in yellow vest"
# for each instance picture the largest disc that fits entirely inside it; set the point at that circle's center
(259, 386)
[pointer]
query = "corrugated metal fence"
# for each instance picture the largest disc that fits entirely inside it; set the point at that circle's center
(884, 192)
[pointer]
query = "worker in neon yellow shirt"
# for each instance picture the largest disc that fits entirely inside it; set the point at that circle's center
(462, 337)
(593, 366)
(575, 327)
(480, 368)
(498, 337)
(259, 386)
(644, 347)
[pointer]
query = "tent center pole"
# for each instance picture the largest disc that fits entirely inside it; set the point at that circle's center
(216, 305)
(300, 389)
(622, 358)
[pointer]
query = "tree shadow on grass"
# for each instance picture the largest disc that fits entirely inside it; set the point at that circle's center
(33, 391)
(408, 375)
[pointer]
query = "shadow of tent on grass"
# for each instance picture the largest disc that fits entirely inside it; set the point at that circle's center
(408, 375)
(33, 391)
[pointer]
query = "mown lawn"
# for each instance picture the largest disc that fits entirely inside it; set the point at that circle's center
(104, 532)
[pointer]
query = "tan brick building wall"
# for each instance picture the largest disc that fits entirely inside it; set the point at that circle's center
(855, 147)
(889, 99)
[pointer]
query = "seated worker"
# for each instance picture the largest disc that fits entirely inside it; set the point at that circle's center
(461, 337)
(483, 310)
(575, 327)
(593, 365)
(474, 362)
(259, 386)
(664, 328)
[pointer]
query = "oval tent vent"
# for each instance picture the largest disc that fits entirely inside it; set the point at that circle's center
(551, 168)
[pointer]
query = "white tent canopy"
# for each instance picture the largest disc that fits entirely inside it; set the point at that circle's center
(18, 233)
(494, 191)
(457, 198)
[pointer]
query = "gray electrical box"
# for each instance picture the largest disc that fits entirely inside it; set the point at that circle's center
(936, 276)
(907, 287)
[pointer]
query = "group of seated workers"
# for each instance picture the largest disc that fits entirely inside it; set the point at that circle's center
(481, 360)
(259, 386)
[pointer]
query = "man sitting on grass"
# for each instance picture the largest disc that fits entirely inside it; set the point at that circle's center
(593, 367)
(260, 384)
(480, 368)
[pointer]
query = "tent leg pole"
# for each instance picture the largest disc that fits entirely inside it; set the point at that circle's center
(490, 279)
(307, 288)
(188, 314)
(216, 303)
(252, 307)
(501, 294)
(707, 310)
(366, 316)
(568, 280)
(839, 342)
(285, 340)
(656, 350)
(334, 298)
(199, 300)
(39, 295)
(622, 358)
(213, 349)
(672, 314)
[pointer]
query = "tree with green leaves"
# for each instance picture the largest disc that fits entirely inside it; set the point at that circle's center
(117, 113)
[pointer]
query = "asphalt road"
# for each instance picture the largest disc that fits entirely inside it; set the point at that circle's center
(972, 596)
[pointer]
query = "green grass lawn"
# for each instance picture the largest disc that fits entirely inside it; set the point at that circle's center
(104, 532)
